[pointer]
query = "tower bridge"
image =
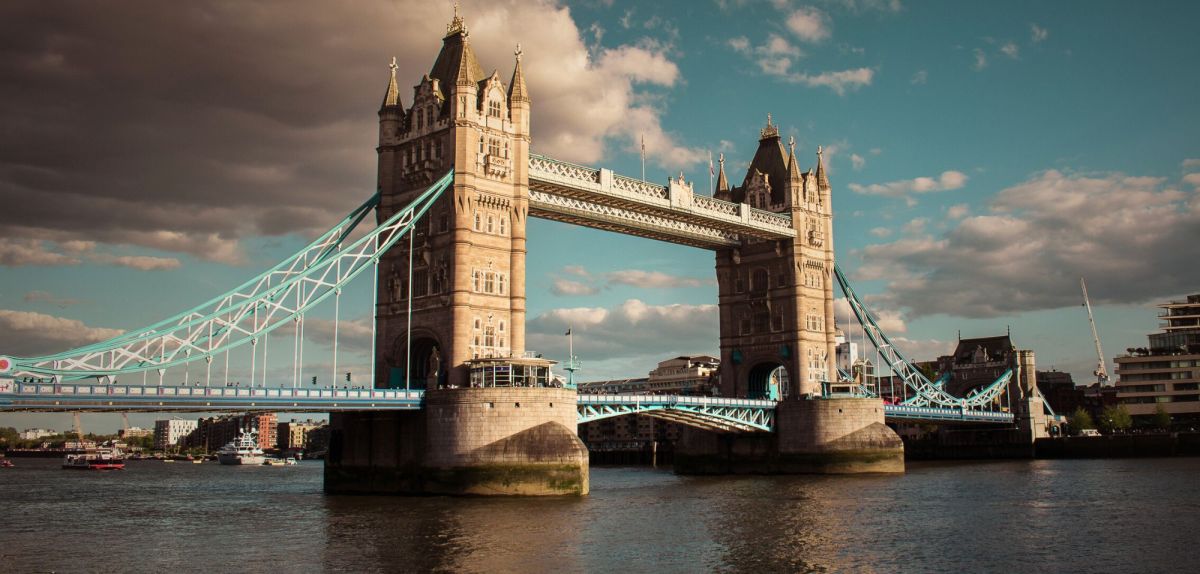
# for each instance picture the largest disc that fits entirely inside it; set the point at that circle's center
(456, 404)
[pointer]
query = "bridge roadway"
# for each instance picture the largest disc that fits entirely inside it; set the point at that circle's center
(713, 413)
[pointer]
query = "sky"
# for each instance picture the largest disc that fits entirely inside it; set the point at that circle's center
(983, 158)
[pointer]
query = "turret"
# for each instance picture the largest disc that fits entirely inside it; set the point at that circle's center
(795, 180)
(518, 96)
(391, 112)
(722, 190)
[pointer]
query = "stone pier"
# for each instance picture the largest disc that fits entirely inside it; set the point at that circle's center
(479, 441)
(818, 436)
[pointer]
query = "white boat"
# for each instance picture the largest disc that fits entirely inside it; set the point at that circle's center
(242, 450)
(95, 459)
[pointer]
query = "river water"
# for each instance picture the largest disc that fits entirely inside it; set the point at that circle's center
(1012, 516)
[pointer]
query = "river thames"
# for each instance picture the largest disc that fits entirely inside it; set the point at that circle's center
(1012, 516)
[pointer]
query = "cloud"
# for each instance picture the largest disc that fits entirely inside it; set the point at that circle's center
(919, 78)
(23, 252)
(809, 24)
(568, 287)
(840, 81)
(860, 6)
(49, 298)
(140, 262)
(653, 279)
(948, 180)
(881, 232)
(353, 336)
(958, 211)
(28, 334)
(209, 126)
(1037, 238)
(1192, 179)
(981, 61)
(857, 161)
(631, 329)
(1190, 164)
(577, 270)
(1037, 33)
(776, 56)
(1011, 49)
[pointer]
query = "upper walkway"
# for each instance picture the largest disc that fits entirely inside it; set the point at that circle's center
(599, 198)
(713, 413)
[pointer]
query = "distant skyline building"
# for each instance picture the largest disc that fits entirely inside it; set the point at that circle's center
(35, 433)
(682, 375)
(168, 432)
(1167, 374)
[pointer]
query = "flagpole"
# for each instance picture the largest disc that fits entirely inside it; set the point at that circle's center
(710, 172)
(643, 158)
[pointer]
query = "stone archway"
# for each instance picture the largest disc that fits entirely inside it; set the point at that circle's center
(767, 380)
(428, 368)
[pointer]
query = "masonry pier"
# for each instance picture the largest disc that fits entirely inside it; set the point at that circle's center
(820, 436)
(476, 441)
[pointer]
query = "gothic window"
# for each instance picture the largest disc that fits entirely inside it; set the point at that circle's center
(762, 322)
(420, 120)
(744, 325)
(494, 147)
(506, 150)
(489, 282)
(429, 155)
(476, 282)
(500, 283)
(759, 281)
(494, 108)
(420, 287)
(491, 224)
(429, 117)
(478, 221)
(779, 278)
(503, 226)
(739, 284)
(489, 336)
(480, 145)
(777, 322)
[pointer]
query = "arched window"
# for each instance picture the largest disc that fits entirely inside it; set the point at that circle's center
(429, 117)
(491, 224)
(503, 226)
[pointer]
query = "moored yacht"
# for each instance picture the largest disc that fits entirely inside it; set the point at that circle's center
(95, 459)
(242, 450)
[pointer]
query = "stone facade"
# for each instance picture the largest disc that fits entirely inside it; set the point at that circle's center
(776, 297)
(468, 268)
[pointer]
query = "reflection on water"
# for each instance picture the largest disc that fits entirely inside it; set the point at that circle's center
(1027, 516)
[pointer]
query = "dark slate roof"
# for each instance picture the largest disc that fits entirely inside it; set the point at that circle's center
(772, 160)
(456, 62)
(998, 348)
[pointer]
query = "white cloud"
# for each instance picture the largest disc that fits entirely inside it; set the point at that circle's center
(881, 232)
(776, 57)
(857, 161)
(958, 211)
(840, 81)
(24, 333)
(353, 335)
(948, 180)
(1037, 33)
(981, 61)
(919, 78)
(22, 252)
(653, 279)
(1192, 179)
(859, 6)
(631, 329)
(139, 262)
(1037, 238)
(568, 287)
(49, 298)
(809, 24)
(740, 44)
(914, 226)
(577, 270)
(1011, 49)
(1190, 164)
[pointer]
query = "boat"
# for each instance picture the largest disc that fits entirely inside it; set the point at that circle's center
(273, 462)
(5, 463)
(242, 450)
(95, 459)
(289, 461)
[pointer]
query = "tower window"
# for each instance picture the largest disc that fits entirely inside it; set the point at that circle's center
(491, 224)
(494, 108)
(478, 221)
(494, 147)
(429, 117)
(503, 226)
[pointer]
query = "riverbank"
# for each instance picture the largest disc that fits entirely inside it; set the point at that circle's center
(1110, 446)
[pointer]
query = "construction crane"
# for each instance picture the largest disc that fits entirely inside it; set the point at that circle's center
(1101, 372)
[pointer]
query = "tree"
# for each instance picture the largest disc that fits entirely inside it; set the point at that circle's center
(1115, 418)
(1162, 419)
(1081, 419)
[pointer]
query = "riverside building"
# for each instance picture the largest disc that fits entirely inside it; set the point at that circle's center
(1167, 373)
(168, 433)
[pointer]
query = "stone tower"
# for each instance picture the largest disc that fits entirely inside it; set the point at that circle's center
(469, 251)
(776, 297)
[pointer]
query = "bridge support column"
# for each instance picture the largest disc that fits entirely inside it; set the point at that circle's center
(478, 441)
(819, 436)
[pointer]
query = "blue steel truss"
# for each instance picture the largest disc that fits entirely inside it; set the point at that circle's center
(239, 317)
(926, 393)
(712, 413)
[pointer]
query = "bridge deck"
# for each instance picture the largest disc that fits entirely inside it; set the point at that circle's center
(715, 413)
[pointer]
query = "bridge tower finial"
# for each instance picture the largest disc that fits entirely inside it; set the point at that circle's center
(456, 25)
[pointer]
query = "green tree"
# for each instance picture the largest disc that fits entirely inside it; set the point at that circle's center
(1081, 419)
(1162, 419)
(9, 436)
(1115, 418)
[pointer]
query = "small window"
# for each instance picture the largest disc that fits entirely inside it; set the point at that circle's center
(489, 282)
(491, 224)
(494, 108)
(503, 226)
(429, 117)
(500, 281)
(478, 221)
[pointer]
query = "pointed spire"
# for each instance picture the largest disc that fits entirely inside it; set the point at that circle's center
(516, 87)
(770, 131)
(392, 96)
(456, 25)
(793, 165)
(722, 183)
(822, 179)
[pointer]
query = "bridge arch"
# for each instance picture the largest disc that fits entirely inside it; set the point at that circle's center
(767, 380)
(428, 361)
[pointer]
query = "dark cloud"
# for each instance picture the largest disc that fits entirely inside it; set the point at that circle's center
(186, 127)
(1134, 239)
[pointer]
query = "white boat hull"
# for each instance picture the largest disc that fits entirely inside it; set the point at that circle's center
(240, 459)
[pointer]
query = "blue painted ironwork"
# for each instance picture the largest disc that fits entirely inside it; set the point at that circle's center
(713, 413)
(239, 317)
(926, 392)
